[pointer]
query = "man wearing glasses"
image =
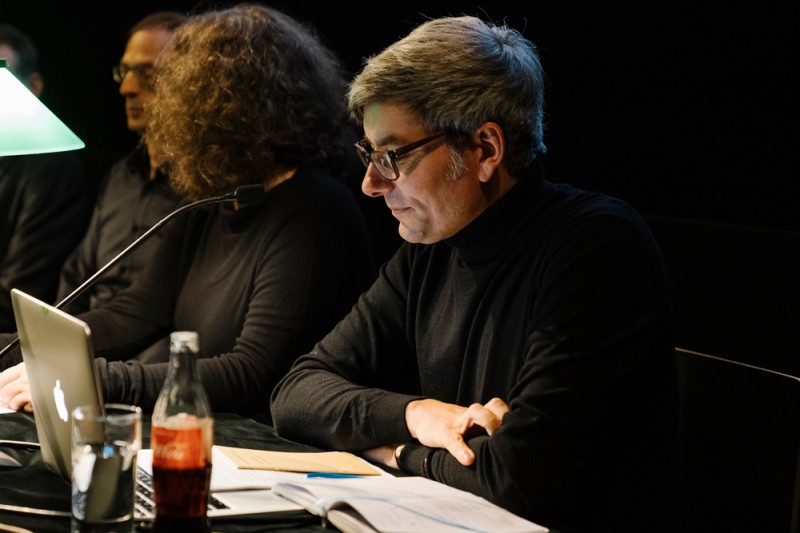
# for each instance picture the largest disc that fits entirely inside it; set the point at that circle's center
(519, 343)
(134, 194)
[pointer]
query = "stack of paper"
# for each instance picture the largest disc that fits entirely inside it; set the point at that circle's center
(401, 505)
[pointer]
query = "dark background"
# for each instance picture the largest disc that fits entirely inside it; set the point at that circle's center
(687, 112)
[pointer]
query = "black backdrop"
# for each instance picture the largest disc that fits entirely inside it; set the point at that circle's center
(682, 110)
(689, 113)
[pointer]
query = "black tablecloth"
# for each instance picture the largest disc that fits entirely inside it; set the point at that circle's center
(33, 485)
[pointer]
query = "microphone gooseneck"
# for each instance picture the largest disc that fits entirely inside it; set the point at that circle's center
(243, 195)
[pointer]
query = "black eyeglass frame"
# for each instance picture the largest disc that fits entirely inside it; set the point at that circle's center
(367, 154)
(143, 71)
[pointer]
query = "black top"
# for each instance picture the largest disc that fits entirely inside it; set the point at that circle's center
(260, 285)
(45, 204)
(128, 204)
(556, 300)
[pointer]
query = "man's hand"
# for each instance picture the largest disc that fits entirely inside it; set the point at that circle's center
(14, 390)
(444, 425)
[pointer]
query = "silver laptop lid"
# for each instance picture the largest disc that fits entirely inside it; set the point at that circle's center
(57, 350)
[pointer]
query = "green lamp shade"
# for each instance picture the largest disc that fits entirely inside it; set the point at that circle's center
(26, 125)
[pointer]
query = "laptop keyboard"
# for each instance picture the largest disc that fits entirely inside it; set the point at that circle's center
(144, 501)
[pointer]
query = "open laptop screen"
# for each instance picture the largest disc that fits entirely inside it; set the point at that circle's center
(57, 350)
(59, 360)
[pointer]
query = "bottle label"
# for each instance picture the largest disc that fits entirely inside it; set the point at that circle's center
(183, 448)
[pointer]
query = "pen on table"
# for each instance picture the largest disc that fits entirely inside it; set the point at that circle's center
(330, 475)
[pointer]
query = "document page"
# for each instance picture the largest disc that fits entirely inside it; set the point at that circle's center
(330, 462)
(226, 476)
(402, 505)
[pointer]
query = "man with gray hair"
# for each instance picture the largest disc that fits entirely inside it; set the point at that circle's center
(519, 343)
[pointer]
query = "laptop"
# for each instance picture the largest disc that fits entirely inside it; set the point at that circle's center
(59, 359)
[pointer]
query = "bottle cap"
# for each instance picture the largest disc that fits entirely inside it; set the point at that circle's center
(179, 340)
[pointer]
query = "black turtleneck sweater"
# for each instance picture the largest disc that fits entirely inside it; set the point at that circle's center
(554, 299)
(260, 285)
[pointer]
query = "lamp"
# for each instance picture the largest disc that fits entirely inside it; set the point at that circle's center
(26, 125)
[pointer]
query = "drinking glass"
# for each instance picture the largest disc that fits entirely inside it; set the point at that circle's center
(104, 448)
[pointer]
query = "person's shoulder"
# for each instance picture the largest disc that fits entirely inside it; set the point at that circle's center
(589, 202)
(319, 184)
(319, 175)
(572, 216)
(132, 166)
(66, 161)
(65, 169)
(135, 162)
(321, 196)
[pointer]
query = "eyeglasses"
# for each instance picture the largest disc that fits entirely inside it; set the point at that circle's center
(386, 161)
(143, 71)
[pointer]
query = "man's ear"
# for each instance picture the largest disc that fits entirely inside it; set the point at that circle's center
(489, 138)
(35, 83)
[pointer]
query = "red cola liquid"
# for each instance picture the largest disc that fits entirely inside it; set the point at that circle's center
(181, 473)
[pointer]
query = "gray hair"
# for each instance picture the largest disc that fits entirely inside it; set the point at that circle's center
(456, 73)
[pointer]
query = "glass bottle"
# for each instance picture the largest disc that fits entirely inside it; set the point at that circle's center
(181, 436)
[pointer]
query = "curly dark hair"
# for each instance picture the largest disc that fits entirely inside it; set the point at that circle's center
(245, 94)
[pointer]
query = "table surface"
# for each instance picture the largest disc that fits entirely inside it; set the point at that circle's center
(33, 485)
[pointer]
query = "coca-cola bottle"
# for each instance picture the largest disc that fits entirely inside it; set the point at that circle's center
(181, 436)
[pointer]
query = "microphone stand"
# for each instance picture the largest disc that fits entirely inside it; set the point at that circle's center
(246, 194)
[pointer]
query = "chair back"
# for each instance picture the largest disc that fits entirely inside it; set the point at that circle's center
(740, 437)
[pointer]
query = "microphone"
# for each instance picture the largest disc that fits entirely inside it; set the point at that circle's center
(243, 195)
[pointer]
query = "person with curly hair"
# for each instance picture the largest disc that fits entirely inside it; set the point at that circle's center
(246, 95)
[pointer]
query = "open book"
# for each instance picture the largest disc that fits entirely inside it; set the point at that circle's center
(400, 505)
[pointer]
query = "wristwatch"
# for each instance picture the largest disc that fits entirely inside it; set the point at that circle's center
(398, 453)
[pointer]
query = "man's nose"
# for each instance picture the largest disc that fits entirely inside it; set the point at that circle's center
(373, 184)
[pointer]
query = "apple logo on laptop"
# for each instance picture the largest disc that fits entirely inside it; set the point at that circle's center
(61, 406)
